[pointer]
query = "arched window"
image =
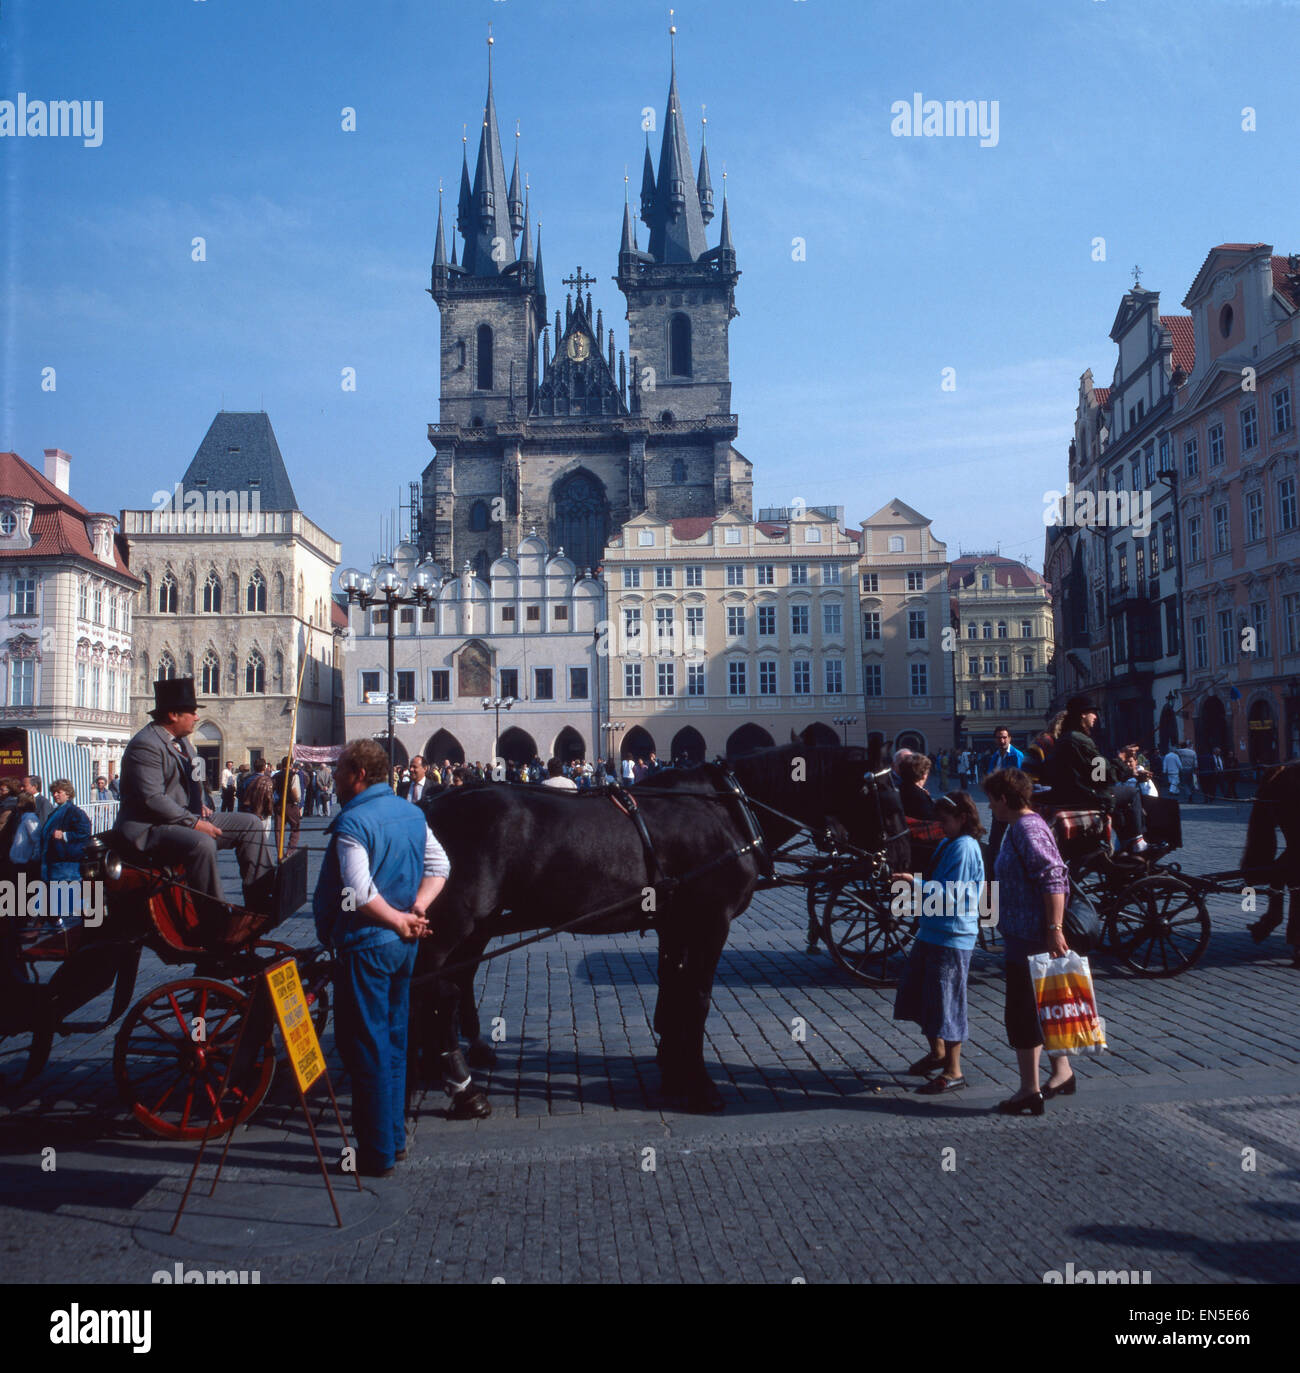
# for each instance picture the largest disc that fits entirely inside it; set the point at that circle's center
(256, 599)
(484, 353)
(679, 346)
(1002, 629)
(232, 669)
(255, 673)
(478, 517)
(166, 668)
(210, 676)
(679, 470)
(279, 593)
(146, 592)
(987, 629)
(460, 352)
(277, 677)
(167, 595)
(212, 594)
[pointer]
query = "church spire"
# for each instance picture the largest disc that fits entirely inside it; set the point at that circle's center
(628, 244)
(465, 204)
(525, 243)
(647, 184)
(518, 216)
(703, 182)
(676, 222)
(490, 243)
(440, 243)
(725, 245)
(539, 281)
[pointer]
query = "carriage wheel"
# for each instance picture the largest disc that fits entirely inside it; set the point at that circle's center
(172, 1082)
(318, 997)
(816, 892)
(866, 939)
(1159, 926)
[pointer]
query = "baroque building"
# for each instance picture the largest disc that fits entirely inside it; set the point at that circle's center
(550, 424)
(236, 594)
(66, 597)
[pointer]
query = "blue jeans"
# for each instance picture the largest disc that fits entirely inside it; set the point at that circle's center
(373, 987)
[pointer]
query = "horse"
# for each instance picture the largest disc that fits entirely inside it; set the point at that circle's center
(1276, 806)
(530, 858)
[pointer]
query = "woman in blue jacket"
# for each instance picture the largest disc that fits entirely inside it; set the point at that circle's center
(932, 991)
(63, 840)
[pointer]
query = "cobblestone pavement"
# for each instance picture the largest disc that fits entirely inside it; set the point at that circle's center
(1179, 1154)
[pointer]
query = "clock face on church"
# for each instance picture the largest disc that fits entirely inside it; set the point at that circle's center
(578, 347)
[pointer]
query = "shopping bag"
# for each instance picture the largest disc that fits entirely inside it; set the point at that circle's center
(25, 847)
(1067, 1005)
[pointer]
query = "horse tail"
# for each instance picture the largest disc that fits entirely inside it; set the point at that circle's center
(1261, 827)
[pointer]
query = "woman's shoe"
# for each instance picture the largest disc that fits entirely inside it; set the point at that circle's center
(923, 1067)
(1031, 1105)
(938, 1085)
(1067, 1088)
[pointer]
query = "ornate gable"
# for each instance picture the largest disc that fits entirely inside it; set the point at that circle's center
(578, 380)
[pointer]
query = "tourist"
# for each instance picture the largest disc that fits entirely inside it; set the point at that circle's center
(1187, 768)
(964, 762)
(228, 788)
(41, 803)
(385, 858)
(555, 777)
(101, 791)
(1080, 776)
(1033, 883)
(1226, 767)
(64, 835)
(917, 801)
(418, 787)
(1004, 755)
(932, 991)
(289, 812)
(1172, 766)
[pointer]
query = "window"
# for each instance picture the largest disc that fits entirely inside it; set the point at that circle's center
(731, 534)
(664, 625)
(766, 620)
(916, 581)
(406, 616)
(695, 576)
(735, 621)
(1135, 472)
(1282, 410)
(1139, 556)
(679, 346)
(766, 574)
(8, 524)
(166, 595)
(22, 681)
(870, 581)
(974, 700)
(483, 353)
(212, 595)
(920, 674)
(1004, 664)
(832, 620)
(1254, 516)
(1167, 540)
(1164, 457)
(1200, 642)
(1291, 622)
(1004, 700)
(81, 686)
(369, 683)
(767, 677)
(663, 576)
(812, 534)
(1029, 700)
(97, 605)
(1191, 461)
(256, 596)
(578, 690)
(695, 679)
(735, 574)
(1226, 645)
(631, 679)
(1259, 620)
(561, 614)
(1027, 662)
(1249, 419)
(666, 679)
(1002, 629)
(799, 620)
(988, 665)
(543, 684)
(507, 614)
(872, 684)
(986, 630)
(895, 543)
(830, 574)
(631, 578)
(112, 612)
(834, 676)
(871, 624)
(694, 621)
(972, 665)
(1216, 445)
(510, 683)
(533, 614)
(735, 679)
(632, 625)
(801, 677)
(440, 685)
(988, 700)
(1286, 505)
(1194, 538)
(1221, 539)
(83, 601)
(972, 630)
(679, 471)
(645, 539)
(406, 686)
(255, 674)
(1026, 629)
(210, 677)
(916, 624)
(798, 574)
(986, 581)
(166, 668)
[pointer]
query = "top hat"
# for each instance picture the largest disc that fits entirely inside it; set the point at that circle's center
(1081, 705)
(174, 693)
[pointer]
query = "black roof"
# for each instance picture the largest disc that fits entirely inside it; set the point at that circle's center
(239, 453)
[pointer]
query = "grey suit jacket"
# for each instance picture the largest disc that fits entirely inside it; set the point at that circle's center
(155, 786)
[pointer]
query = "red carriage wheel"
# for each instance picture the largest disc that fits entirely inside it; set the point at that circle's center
(171, 1080)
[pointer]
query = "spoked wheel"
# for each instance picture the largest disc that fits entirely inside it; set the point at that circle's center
(816, 892)
(1159, 926)
(170, 1078)
(866, 939)
(315, 988)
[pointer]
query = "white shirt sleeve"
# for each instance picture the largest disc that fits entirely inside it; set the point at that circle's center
(436, 862)
(354, 870)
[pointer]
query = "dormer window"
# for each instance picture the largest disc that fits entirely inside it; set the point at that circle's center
(8, 525)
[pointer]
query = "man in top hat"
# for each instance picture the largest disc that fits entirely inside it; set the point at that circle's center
(163, 814)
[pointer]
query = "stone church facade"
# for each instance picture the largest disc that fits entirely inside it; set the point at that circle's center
(547, 423)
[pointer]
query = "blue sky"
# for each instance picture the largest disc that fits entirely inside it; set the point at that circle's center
(1117, 118)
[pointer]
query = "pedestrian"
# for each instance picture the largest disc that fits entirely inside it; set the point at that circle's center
(1228, 768)
(40, 802)
(382, 871)
(556, 779)
(418, 787)
(324, 790)
(1173, 769)
(964, 768)
(1033, 883)
(290, 810)
(932, 991)
(64, 835)
(1187, 768)
(915, 796)
(115, 786)
(228, 788)
(1080, 776)
(1004, 755)
(101, 791)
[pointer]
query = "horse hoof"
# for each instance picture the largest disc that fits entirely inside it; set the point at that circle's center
(481, 1054)
(470, 1104)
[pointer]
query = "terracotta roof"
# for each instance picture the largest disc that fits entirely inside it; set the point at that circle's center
(338, 613)
(692, 526)
(1101, 395)
(1006, 571)
(1184, 340)
(771, 530)
(58, 522)
(1281, 269)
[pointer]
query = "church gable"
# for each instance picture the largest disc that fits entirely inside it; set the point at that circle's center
(578, 380)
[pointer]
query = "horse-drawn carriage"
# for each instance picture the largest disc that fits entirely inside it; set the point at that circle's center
(172, 1049)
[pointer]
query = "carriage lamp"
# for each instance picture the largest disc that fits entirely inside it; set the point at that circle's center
(497, 704)
(391, 584)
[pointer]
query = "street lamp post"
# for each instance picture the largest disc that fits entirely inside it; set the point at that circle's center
(843, 722)
(497, 704)
(609, 728)
(392, 584)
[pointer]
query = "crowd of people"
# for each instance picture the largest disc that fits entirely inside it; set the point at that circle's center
(581, 773)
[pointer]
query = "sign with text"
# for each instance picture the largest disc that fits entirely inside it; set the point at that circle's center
(292, 1013)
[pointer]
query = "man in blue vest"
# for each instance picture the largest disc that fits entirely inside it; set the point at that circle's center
(1004, 755)
(382, 870)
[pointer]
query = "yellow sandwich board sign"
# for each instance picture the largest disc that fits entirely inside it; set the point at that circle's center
(291, 1011)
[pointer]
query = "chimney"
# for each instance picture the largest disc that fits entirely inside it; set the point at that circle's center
(56, 468)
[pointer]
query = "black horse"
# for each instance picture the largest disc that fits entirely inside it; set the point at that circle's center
(530, 858)
(1276, 806)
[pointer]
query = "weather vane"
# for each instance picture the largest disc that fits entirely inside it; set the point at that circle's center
(1137, 275)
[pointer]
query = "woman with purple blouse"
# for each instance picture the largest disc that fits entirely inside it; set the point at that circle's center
(1033, 883)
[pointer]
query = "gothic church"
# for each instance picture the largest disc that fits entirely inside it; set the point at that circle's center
(543, 425)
